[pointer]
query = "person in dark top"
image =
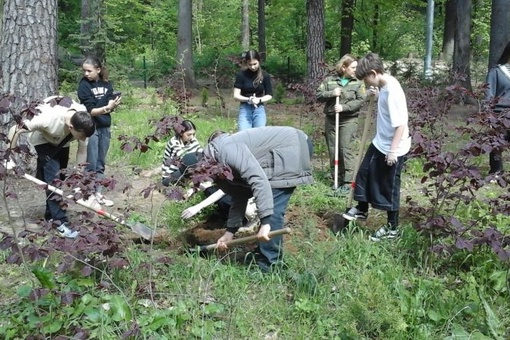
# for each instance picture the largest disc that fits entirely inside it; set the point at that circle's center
(498, 95)
(96, 93)
(252, 88)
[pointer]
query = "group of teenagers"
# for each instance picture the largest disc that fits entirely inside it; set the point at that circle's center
(267, 162)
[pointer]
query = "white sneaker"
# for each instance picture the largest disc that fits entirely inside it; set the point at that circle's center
(103, 200)
(64, 231)
(93, 203)
(384, 233)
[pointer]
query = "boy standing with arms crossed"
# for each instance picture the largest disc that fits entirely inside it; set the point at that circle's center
(378, 178)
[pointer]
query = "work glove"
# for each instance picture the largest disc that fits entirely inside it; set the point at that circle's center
(391, 158)
(191, 211)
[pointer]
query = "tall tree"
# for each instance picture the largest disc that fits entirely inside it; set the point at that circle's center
(245, 25)
(500, 30)
(462, 50)
(449, 30)
(346, 26)
(184, 43)
(315, 40)
(28, 56)
(89, 27)
(261, 9)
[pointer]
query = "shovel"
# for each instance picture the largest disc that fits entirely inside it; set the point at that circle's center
(241, 240)
(138, 228)
(339, 222)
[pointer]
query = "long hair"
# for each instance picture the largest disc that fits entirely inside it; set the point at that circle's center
(184, 126)
(250, 55)
(345, 61)
(505, 56)
(95, 62)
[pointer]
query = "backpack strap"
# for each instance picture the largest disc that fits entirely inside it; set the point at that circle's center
(59, 147)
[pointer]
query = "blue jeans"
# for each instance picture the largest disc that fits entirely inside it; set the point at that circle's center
(98, 146)
(47, 171)
(271, 252)
(251, 117)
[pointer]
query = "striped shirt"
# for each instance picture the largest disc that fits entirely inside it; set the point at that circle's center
(174, 151)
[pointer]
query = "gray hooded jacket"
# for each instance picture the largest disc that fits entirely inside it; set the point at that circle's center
(261, 159)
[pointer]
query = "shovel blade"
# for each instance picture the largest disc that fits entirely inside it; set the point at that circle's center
(142, 230)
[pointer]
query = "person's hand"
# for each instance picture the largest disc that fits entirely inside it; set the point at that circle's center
(189, 193)
(391, 158)
(338, 108)
(221, 243)
(337, 92)
(263, 234)
(252, 101)
(8, 164)
(191, 211)
(373, 91)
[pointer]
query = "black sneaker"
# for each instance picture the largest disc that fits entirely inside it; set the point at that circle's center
(355, 214)
(384, 233)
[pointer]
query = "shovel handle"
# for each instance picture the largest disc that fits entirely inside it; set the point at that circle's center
(247, 239)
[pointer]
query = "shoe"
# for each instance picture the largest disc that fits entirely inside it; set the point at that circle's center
(355, 214)
(494, 179)
(343, 190)
(384, 233)
(93, 203)
(64, 231)
(103, 200)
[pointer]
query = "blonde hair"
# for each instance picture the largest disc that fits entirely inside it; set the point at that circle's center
(345, 61)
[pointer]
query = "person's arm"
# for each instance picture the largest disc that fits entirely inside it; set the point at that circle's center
(97, 107)
(14, 133)
(192, 211)
(324, 93)
(391, 157)
(81, 153)
(355, 102)
(239, 97)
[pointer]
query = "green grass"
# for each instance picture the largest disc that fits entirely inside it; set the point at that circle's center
(334, 287)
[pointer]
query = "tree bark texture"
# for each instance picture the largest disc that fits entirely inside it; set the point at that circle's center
(500, 30)
(346, 26)
(449, 31)
(315, 40)
(261, 9)
(245, 25)
(462, 50)
(185, 43)
(28, 56)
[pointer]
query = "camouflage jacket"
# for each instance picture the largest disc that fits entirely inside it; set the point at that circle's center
(352, 97)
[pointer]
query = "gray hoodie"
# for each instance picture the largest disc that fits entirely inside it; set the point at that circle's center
(261, 159)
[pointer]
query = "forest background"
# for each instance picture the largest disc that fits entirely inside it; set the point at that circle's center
(446, 278)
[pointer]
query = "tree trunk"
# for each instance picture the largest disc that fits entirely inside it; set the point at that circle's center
(462, 50)
(185, 43)
(500, 30)
(89, 28)
(375, 36)
(245, 25)
(347, 26)
(449, 31)
(315, 40)
(28, 56)
(262, 29)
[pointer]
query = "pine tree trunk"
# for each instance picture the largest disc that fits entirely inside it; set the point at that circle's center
(245, 25)
(28, 56)
(462, 50)
(315, 40)
(262, 29)
(346, 27)
(185, 43)
(449, 31)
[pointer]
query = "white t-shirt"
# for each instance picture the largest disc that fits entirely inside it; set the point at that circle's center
(391, 113)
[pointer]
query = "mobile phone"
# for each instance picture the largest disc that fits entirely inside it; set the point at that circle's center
(116, 94)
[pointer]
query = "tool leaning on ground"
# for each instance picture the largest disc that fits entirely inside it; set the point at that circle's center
(240, 240)
(340, 223)
(138, 228)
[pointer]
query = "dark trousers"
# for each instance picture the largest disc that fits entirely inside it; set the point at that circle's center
(271, 252)
(378, 183)
(188, 160)
(47, 171)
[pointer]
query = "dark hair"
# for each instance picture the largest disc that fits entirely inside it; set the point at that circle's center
(214, 135)
(505, 56)
(82, 121)
(94, 61)
(370, 62)
(345, 61)
(250, 55)
(185, 125)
